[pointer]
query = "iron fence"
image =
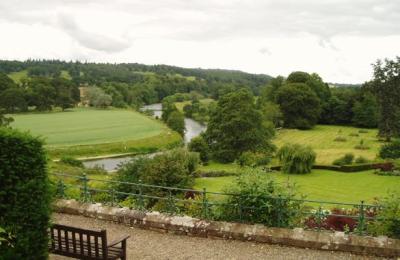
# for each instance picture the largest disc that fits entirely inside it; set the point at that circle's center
(313, 214)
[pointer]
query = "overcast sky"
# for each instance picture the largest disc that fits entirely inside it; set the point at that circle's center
(339, 39)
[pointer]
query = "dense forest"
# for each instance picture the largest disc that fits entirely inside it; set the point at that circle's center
(127, 84)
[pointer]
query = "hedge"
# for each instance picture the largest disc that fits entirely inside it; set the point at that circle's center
(24, 195)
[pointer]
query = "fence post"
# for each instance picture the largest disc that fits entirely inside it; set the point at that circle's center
(205, 206)
(171, 204)
(319, 217)
(112, 197)
(279, 207)
(361, 219)
(61, 189)
(85, 187)
(141, 203)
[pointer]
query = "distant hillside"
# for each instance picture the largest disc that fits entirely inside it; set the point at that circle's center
(344, 85)
(98, 73)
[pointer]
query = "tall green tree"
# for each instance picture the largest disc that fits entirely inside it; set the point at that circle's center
(300, 106)
(13, 100)
(236, 126)
(5, 82)
(366, 112)
(386, 85)
(176, 121)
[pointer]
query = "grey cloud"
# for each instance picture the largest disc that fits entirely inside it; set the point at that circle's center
(91, 40)
(201, 20)
(265, 51)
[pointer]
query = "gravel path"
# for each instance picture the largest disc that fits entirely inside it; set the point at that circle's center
(145, 244)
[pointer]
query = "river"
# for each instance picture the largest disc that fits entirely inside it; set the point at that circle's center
(193, 129)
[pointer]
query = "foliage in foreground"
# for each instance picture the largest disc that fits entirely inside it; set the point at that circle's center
(24, 188)
(296, 158)
(173, 168)
(260, 199)
(388, 218)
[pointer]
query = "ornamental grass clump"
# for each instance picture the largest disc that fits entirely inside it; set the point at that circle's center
(296, 158)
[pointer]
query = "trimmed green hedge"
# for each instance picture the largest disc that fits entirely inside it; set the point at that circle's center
(24, 195)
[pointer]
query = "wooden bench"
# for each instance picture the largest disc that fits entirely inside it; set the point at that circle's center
(85, 244)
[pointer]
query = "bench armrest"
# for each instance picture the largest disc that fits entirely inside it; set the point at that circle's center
(117, 241)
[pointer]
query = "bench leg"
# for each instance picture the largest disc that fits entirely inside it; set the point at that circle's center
(123, 250)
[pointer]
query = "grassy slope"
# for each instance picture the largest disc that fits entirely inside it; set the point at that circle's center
(321, 138)
(324, 185)
(17, 76)
(107, 131)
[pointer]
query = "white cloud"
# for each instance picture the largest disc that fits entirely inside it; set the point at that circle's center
(338, 39)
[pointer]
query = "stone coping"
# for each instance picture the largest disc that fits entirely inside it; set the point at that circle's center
(184, 225)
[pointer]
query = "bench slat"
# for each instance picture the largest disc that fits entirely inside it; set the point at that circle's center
(83, 244)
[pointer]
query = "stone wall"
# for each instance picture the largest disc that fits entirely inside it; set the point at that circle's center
(184, 225)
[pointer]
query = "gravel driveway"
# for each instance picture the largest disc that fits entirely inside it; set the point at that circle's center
(145, 244)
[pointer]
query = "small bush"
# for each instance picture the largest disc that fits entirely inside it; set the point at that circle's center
(260, 199)
(354, 135)
(390, 150)
(362, 131)
(71, 161)
(199, 145)
(253, 159)
(174, 168)
(361, 145)
(24, 195)
(361, 159)
(340, 139)
(345, 160)
(296, 158)
(388, 219)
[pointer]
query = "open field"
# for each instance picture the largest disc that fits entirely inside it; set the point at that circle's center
(18, 76)
(82, 132)
(321, 139)
(323, 185)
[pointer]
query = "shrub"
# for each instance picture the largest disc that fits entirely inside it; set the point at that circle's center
(24, 195)
(174, 168)
(296, 158)
(390, 150)
(71, 161)
(346, 159)
(260, 199)
(199, 145)
(362, 131)
(361, 145)
(340, 139)
(388, 219)
(253, 159)
(354, 134)
(361, 159)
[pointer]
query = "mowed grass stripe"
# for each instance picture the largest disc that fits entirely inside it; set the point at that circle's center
(88, 126)
(321, 139)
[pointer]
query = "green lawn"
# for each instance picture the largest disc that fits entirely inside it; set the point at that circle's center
(95, 129)
(321, 139)
(324, 185)
(18, 76)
